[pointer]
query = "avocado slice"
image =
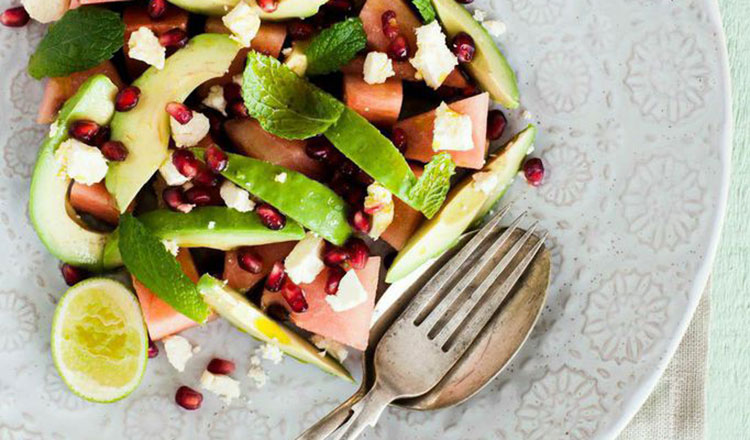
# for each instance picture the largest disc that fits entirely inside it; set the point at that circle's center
(489, 67)
(53, 218)
(287, 9)
(466, 204)
(246, 316)
(145, 129)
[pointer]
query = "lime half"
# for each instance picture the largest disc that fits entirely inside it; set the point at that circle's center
(99, 340)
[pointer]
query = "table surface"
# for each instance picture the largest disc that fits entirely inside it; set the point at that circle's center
(729, 353)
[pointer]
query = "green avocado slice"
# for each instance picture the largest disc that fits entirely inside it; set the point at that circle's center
(54, 220)
(466, 204)
(286, 9)
(145, 129)
(489, 67)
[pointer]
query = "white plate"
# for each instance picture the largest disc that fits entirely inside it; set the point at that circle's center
(632, 99)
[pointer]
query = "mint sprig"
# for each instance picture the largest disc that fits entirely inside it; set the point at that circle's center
(426, 10)
(432, 187)
(80, 40)
(335, 46)
(283, 103)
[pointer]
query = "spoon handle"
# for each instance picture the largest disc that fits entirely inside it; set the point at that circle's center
(326, 426)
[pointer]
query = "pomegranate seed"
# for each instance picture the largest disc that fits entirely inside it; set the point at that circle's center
(186, 163)
(114, 151)
(399, 49)
(463, 47)
(153, 350)
(390, 25)
(319, 149)
(359, 253)
(335, 256)
(355, 196)
(72, 274)
(203, 196)
(220, 366)
(127, 98)
(270, 217)
(496, 123)
(84, 131)
(340, 5)
(300, 30)
(216, 159)
(268, 5)
(237, 109)
(398, 137)
(276, 277)
(533, 170)
(14, 17)
(206, 177)
(188, 398)
(102, 136)
(361, 222)
(174, 38)
(364, 178)
(180, 112)
(174, 198)
(334, 278)
(294, 296)
(249, 260)
(157, 8)
(232, 92)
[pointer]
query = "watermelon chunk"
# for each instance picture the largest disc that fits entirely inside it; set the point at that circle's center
(404, 71)
(242, 280)
(419, 133)
(95, 200)
(136, 16)
(378, 103)
(351, 327)
(406, 219)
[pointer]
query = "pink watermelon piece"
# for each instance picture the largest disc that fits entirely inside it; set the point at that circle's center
(378, 103)
(95, 200)
(242, 280)
(136, 16)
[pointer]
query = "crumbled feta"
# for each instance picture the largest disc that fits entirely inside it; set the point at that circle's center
(270, 352)
(480, 15)
(527, 115)
(45, 11)
(304, 263)
(170, 173)
(434, 61)
(144, 45)
(179, 351)
(331, 347)
(485, 182)
(495, 27)
(83, 163)
(236, 197)
(281, 178)
(378, 68)
(221, 385)
(296, 60)
(379, 202)
(190, 134)
(244, 23)
(256, 372)
(215, 99)
(211, 224)
(171, 247)
(351, 293)
(452, 130)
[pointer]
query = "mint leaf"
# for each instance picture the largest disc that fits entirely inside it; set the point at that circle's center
(432, 187)
(80, 40)
(335, 46)
(153, 266)
(425, 10)
(283, 103)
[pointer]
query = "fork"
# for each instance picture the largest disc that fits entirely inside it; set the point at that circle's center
(442, 321)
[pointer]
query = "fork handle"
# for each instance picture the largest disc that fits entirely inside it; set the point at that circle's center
(366, 412)
(328, 424)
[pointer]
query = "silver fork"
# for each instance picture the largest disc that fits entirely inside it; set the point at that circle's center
(439, 325)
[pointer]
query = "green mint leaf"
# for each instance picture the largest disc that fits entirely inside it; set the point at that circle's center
(425, 10)
(152, 265)
(432, 187)
(80, 40)
(335, 46)
(285, 104)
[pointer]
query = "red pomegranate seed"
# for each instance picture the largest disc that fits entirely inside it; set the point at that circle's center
(463, 47)
(186, 163)
(180, 112)
(496, 123)
(188, 398)
(268, 5)
(276, 277)
(174, 38)
(203, 196)
(300, 30)
(72, 274)
(270, 217)
(114, 151)
(14, 17)
(361, 222)
(157, 8)
(335, 256)
(232, 92)
(220, 366)
(390, 24)
(294, 296)
(355, 196)
(153, 350)
(84, 131)
(249, 260)
(398, 137)
(340, 5)
(319, 148)
(399, 49)
(174, 198)
(102, 136)
(237, 109)
(334, 278)
(359, 253)
(533, 170)
(127, 98)
(216, 159)
(206, 177)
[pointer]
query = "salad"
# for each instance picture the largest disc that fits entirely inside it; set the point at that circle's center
(267, 162)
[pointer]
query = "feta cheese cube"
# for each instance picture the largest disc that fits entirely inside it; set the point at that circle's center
(179, 351)
(281, 178)
(452, 130)
(378, 68)
(379, 203)
(485, 182)
(434, 61)
(256, 372)
(480, 15)
(495, 27)
(221, 385)
(304, 263)
(190, 134)
(331, 347)
(171, 247)
(83, 163)
(170, 173)
(270, 352)
(236, 197)
(244, 22)
(296, 60)
(144, 45)
(351, 293)
(215, 99)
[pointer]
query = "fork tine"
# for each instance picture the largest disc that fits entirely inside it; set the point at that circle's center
(453, 323)
(463, 335)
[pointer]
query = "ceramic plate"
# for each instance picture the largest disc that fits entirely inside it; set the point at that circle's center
(632, 100)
